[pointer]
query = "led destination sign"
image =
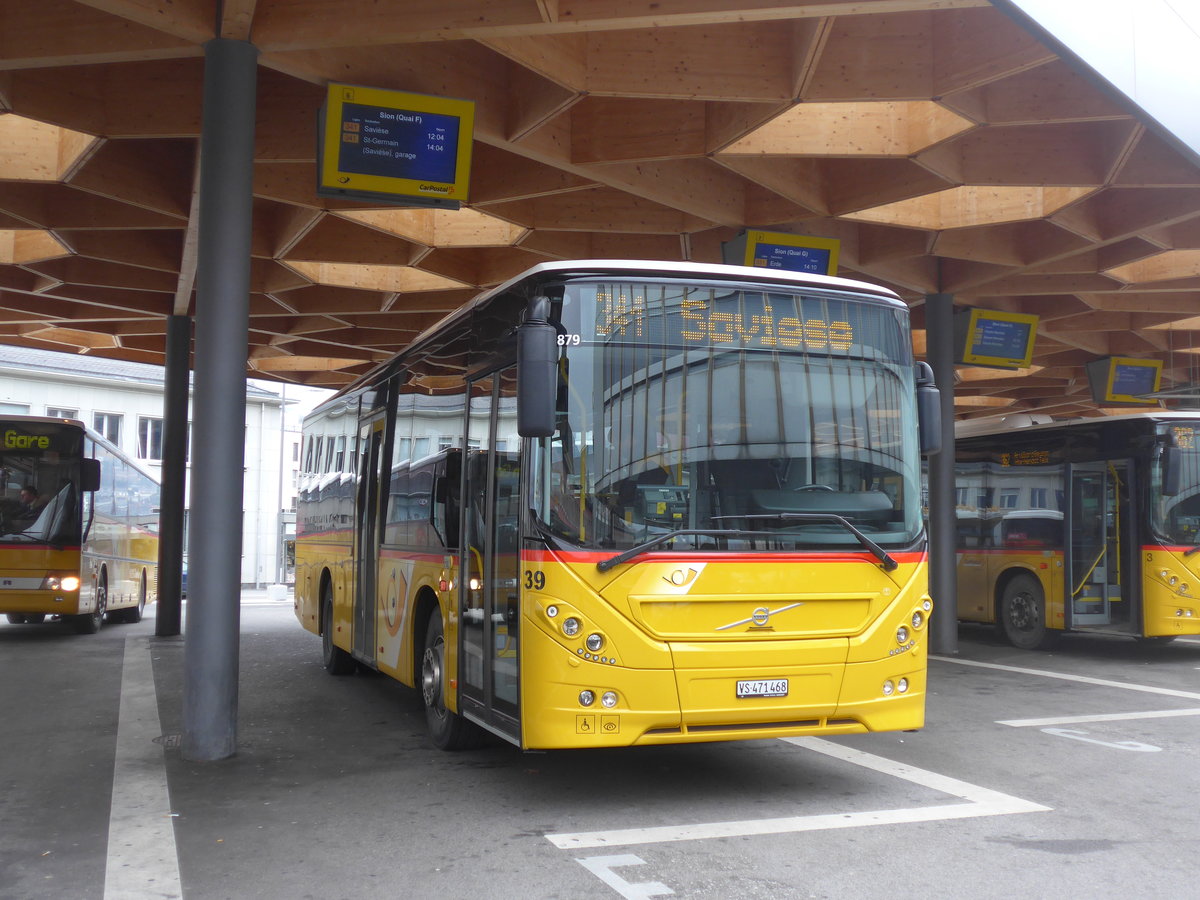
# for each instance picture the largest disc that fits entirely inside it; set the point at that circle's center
(756, 322)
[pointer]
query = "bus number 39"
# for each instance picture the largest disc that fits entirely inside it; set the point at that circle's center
(535, 580)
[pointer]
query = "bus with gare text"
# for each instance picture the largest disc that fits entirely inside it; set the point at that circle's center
(1086, 525)
(78, 526)
(614, 503)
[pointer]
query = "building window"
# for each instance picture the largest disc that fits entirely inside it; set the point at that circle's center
(1009, 498)
(150, 438)
(1038, 498)
(109, 426)
(58, 412)
(14, 409)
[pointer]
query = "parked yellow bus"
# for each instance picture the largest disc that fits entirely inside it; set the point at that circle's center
(621, 502)
(1087, 525)
(78, 526)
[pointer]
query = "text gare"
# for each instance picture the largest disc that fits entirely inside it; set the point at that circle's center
(700, 323)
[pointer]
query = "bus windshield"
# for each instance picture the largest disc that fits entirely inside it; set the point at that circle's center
(689, 407)
(39, 471)
(1176, 518)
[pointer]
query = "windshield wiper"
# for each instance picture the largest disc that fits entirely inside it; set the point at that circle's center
(888, 563)
(1191, 550)
(885, 559)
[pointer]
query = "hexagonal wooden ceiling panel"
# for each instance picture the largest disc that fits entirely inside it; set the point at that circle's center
(946, 148)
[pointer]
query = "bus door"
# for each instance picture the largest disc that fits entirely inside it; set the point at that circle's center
(489, 598)
(1099, 544)
(368, 501)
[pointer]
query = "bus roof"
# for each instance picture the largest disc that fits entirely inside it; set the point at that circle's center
(1022, 422)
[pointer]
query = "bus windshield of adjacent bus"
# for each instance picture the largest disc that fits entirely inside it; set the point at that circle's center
(39, 471)
(783, 418)
(1176, 517)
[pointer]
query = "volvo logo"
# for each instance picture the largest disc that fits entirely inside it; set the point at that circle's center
(760, 618)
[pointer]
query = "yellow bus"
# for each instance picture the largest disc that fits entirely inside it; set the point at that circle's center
(78, 526)
(619, 502)
(1087, 525)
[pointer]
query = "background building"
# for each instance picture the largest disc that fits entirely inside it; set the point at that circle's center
(124, 402)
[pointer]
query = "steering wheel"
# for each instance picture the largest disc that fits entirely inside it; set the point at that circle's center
(813, 487)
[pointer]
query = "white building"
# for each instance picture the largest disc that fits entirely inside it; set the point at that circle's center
(124, 402)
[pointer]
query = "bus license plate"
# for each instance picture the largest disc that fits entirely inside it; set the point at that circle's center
(763, 687)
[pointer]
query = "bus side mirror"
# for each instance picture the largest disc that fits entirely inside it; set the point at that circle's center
(929, 411)
(537, 371)
(1172, 463)
(89, 474)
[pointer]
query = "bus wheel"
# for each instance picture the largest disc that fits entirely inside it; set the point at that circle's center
(89, 623)
(39, 618)
(336, 660)
(1023, 614)
(133, 616)
(16, 618)
(447, 730)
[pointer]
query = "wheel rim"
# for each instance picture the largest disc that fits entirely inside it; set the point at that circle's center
(1023, 611)
(101, 602)
(431, 678)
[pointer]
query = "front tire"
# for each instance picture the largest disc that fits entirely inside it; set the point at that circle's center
(89, 623)
(336, 660)
(447, 730)
(1023, 614)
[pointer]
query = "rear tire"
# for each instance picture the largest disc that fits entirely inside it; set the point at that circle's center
(336, 660)
(1023, 614)
(133, 616)
(447, 730)
(16, 618)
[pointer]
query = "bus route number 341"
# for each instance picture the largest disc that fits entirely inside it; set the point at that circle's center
(763, 687)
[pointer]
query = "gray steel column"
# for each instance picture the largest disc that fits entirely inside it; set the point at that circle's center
(174, 476)
(939, 341)
(210, 689)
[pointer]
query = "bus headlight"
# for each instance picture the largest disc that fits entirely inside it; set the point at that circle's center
(60, 583)
(570, 626)
(594, 642)
(902, 685)
(917, 620)
(587, 698)
(608, 700)
(888, 688)
(902, 635)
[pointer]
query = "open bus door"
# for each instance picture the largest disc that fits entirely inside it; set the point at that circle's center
(369, 500)
(490, 564)
(1100, 564)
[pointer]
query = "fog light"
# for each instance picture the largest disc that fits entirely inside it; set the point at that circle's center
(594, 642)
(1183, 587)
(901, 635)
(70, 583)
(927, 605)
(917, 620)
(552, 611)
(1163, 574)
(586, 698)
(888, 688)
(570, 626)
(1173, 580)
(902, 685)
(608, 700)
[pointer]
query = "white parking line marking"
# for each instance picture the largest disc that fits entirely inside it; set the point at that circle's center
(142, 860)
(981, 801)
(1077, 735)
(602, 867)
(1082, 679)
(1106, 717)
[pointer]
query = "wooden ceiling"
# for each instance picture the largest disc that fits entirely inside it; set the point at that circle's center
(946, 148)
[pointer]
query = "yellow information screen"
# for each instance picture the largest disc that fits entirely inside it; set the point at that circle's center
(392, 146)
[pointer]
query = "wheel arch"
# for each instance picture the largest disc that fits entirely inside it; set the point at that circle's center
(1004, 579)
